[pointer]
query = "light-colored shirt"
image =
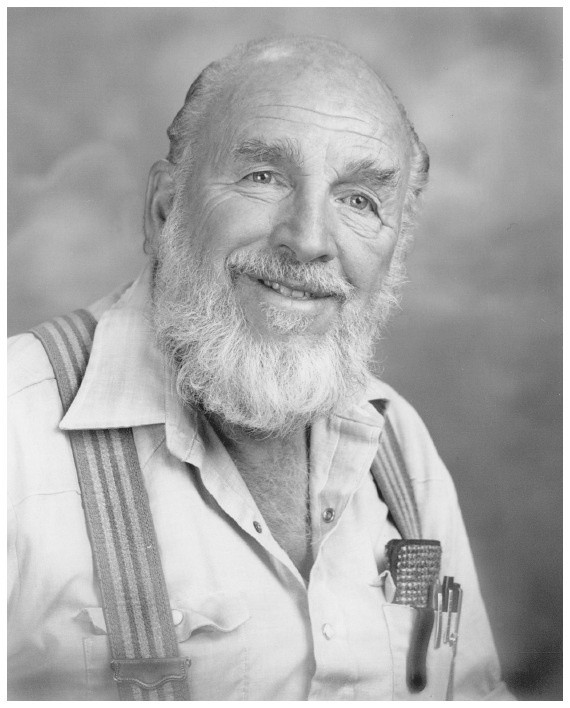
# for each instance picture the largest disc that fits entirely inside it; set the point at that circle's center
(253, 628)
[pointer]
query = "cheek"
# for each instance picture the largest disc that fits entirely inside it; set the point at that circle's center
(366, 261)
(227, 222)
(364, 227)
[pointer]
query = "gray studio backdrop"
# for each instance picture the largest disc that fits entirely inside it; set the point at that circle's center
(477, 346)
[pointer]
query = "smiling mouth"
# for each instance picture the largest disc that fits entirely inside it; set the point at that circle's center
(290, 292)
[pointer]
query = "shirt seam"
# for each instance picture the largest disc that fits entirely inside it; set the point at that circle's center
(361, 475)
(35, 383)
(429, 480)
(361, 407)
(228, 484)
(245, 692)
(358, 420)
(46, 494)
(392, 657)
(17, 603)
(162, 442)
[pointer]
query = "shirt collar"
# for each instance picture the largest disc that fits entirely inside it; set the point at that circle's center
(124, 384)
(128, 382)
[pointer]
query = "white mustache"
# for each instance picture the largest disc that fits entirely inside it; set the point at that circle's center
(277, 266)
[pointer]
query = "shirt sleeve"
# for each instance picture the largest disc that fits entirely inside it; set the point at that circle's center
(477, 673)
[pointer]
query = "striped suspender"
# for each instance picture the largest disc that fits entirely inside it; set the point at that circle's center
(144, 647)
(393, 480)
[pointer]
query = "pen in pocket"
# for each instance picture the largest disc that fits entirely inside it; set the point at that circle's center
(455, 614)
(448, 611)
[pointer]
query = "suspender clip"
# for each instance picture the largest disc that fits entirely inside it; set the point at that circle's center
(150, 673)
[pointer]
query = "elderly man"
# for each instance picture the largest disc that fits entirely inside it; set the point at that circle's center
(212, 496)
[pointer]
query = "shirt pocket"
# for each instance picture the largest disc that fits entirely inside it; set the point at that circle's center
(211, 632)
(400, 622)
(97, 654)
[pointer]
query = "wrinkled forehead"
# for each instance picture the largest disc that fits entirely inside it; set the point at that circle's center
(344, 98)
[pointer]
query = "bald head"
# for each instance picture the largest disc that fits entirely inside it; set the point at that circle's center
(297, 55)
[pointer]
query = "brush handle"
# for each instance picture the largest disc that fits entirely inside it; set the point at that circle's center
(417, 656)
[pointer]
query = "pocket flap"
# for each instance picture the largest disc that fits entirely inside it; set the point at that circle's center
(95, 618)
(386, 582)
(221, 612)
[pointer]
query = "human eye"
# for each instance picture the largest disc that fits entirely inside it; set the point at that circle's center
(261, 177)
(360, 202)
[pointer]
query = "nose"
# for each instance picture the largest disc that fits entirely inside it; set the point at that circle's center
(307, 229)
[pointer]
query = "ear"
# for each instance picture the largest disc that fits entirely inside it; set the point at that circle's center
(158, 202)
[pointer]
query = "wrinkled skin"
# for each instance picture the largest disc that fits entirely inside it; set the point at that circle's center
(311, 200)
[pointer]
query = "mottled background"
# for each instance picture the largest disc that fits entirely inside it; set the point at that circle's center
(477, 347)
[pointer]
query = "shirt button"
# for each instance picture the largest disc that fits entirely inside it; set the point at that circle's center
(328, 631)
(328, 515)
(257, 526)
(177, 616)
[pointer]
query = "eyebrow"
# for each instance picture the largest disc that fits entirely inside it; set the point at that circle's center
(286, 151)
(275, 152)
(376, 177)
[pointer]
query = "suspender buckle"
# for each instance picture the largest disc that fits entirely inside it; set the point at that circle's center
(150, 674)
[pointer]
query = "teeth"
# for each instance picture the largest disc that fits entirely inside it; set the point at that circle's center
(287, 292)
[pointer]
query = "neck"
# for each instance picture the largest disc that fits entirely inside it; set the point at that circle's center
(235, 437)
(276, 472)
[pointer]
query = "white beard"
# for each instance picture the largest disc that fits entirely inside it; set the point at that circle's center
(260, 384)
